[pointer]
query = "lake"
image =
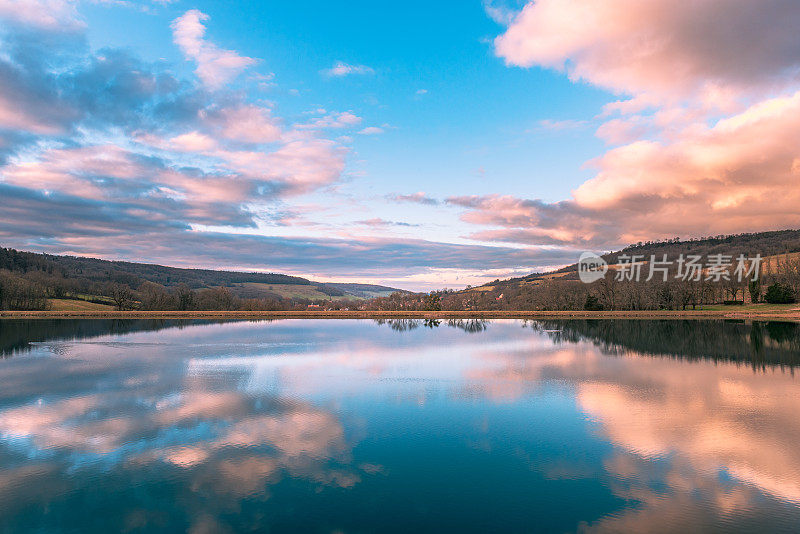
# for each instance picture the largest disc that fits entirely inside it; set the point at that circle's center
(399, 426)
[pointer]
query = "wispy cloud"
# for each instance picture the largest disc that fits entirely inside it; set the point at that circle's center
(371, 130)
(335, 120)
(561, 125)
(500, 12)
(381, 223)
(417, 198)
(340, 69)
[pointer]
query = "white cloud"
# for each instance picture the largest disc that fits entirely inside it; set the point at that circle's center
(335, 120)
(371, 130)
(501, 14)
(340, 69)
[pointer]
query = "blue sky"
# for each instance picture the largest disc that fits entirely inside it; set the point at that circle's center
(476, 125)
(414, 144)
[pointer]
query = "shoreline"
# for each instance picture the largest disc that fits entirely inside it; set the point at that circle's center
(774, 315)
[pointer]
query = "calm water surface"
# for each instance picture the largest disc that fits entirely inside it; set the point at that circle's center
(399, 426)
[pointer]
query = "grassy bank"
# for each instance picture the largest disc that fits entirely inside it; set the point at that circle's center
(759, 312)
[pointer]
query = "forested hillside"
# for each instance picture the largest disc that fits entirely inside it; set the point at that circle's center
(562, 290)
(32, 281)
(764, 243)
(88, 270)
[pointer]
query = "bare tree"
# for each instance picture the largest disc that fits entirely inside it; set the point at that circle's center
(121, 294)
(609, 289)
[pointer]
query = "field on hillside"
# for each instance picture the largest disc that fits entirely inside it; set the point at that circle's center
(481, 288)
(770, 262)
(77, 305)
(366, 291)
(290, 291)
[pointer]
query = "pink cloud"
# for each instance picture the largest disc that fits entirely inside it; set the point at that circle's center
(192, 142)
(110, 173)
(56, 15)
(657, 50)
(215, 66)
(308, 162)
(678, 169)
(622, 130)
(530, 222)
(744, 165)
(738, 175)
(15, 117)
(245, 123)
(71, 170)
(300, 162)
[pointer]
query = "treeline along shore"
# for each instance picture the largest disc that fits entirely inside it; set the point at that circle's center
(74, 286)
(767, 312)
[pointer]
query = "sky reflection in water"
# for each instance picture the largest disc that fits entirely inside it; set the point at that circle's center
(353, 426)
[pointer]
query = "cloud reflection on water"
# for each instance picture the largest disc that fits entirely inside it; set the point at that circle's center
(238, 410)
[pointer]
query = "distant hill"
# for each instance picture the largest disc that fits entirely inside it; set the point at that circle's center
(83, 273)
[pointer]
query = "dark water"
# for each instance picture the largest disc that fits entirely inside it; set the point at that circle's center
(399, 426)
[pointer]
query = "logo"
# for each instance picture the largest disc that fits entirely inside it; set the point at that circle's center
(591, 267)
